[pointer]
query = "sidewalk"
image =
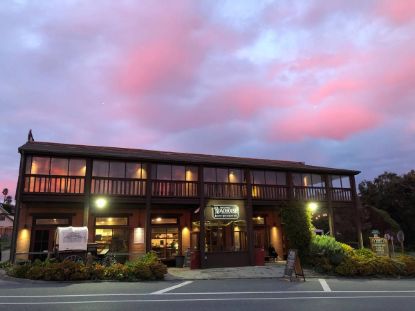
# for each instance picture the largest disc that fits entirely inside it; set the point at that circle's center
(270, 270)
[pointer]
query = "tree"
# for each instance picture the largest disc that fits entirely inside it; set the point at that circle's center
(394, 194)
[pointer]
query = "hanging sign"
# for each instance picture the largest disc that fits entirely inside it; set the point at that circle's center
(293, 265)
(225, 212)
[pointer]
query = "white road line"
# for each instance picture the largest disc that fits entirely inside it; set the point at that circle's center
(217, 293)
(202, 299)
(162, 291)
(324, 284)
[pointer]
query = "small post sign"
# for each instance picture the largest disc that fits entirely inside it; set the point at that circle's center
(293, 265)
(379, 246)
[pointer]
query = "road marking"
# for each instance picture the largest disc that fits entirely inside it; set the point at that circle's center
(215, 293)
(162, 291)
(202, 299)
(324, 284)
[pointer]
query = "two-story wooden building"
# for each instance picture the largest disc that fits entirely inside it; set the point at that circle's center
(136, 200)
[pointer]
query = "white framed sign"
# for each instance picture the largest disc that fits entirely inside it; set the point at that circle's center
(225, 212)
(138, 235)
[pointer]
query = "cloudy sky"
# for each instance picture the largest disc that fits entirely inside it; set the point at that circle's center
(326, 82)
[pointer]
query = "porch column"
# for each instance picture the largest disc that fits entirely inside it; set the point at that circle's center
(249, 215)
(355, 201)
(202, 233)
(87, 191)
(327, 183)
(149, 185)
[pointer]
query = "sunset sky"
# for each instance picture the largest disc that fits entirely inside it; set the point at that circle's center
(331, 83)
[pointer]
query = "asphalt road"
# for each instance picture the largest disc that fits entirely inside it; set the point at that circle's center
(248, 294)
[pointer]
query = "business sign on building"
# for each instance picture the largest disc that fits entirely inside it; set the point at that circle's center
(225, 212)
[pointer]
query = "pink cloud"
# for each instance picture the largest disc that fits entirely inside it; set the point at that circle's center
(398, 12)
(336, 121)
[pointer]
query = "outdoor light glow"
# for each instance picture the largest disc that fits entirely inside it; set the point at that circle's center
(101, 202)
(312, 206)
(158, 219)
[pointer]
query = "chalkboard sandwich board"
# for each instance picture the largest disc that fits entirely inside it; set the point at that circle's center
(293, 266)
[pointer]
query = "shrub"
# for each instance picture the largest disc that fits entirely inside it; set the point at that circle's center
(19, 271)
(117, 271)
(158, 270)
(298, 227)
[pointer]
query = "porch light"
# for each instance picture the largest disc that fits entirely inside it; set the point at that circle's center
(101, 202)
(312, 206)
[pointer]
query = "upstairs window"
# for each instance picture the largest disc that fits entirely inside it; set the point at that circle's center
(308, 180)
(117, 169)
(269, 178)
(223, 175)
(175, 172)
(337, 181)
(55, 166)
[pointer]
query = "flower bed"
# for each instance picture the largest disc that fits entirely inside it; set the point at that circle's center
(144, 268)
(329, 256)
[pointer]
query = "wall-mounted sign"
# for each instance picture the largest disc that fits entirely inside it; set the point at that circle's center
(138, 235)
(225, 212)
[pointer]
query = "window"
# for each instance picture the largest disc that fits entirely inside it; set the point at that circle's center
(269, 178)
(226, 236)
(52, 221)
(77, 167)
(135, 170)
(59, 166)
(100, 168)
(40, 166)
(222, 175)
(111, 221)
(175, 172)
(339, 181)
(117, 170)
(308, 180)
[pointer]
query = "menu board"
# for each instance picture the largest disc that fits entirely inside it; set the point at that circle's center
(379, 246)
(187, 258)
(293, 265)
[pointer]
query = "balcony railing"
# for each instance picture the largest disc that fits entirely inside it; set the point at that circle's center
(269, 192)
(54, 184)
(118, 186)
(310, 193)
(341, 194)
(168, 188)
(181, 189)
(225, 190)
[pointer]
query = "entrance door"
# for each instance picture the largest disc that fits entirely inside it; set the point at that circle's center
(260, 237)
(41, 243)
(165, 241)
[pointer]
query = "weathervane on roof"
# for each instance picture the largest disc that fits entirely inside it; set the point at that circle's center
(30, 136)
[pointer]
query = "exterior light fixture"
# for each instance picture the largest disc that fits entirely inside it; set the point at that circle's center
(101, 202)
(158, 219)
(312, 206)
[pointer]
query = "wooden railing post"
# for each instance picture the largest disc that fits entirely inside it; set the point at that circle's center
(357, 211)
(329, 205)
(148, 207)
(87, 191)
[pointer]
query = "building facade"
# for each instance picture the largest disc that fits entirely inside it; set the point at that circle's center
(133, 201)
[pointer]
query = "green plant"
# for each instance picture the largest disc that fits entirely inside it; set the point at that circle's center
(159, 270)
(298, 227)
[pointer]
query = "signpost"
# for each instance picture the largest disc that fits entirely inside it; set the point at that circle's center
(401, 237)
(293, 265)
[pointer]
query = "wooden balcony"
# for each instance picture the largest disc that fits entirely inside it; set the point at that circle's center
(54, 184)
(51, 184)
(225, 190)
(118, 186)
(181, 189)
(341, 194)
(269, 192)
(310, 193)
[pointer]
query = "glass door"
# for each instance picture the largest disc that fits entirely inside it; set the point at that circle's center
(165, 241)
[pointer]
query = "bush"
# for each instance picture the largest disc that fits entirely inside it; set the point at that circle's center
(158, 270)
(298, 227)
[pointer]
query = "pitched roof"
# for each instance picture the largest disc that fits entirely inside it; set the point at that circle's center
(48, 148)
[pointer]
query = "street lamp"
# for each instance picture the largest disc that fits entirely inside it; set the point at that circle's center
(312, 207)
(101, 202)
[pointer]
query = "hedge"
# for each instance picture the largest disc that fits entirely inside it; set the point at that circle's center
(144, 268)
